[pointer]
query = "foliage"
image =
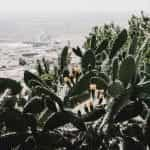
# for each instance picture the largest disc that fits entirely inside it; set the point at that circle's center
(110, 71)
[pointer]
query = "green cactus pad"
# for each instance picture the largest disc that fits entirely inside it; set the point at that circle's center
(77, 51)
(6, 83)
(93, 42)
(39, 68)
(115, 69)
(52, 95)
(82, 84)
(118, 43)
(28, 76)
(143, 87)
(103, 45)
(34, 83)
(100, 82)
(46, 65)
(63, 58)
(88, 59)
(133, 46)
(104, 76)
(115, 88)
(127, 70)
(61, 118)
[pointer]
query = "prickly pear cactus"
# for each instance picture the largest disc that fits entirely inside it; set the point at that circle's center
(104, 76)
(100, 83)
(13, 85)
(46, 65)
(88, 59)
(127, 70)
(77, 51)
(103, 45)
(63, 58)
(115, 69)
(39, 68)
(93, 42)
(118, 43)
(133, 46)
(143, 87)
(116, 88)
(82, 84)
(28, 76)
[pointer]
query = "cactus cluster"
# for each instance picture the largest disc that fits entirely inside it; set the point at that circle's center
(110, 82)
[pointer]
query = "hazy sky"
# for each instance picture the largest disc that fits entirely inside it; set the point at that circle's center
(73, 5)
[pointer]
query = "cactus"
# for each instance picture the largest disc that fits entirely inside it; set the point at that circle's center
(142, 50)
(104, 76)
(13, 85)
(133, 109)
(48, 79)
(106, 64)
(118, 43)
(34, 105)
(31, 121)
(127, 70)
(82, 84)
(113, 107)
(124, 54)
(34, 83)
(39, 68)
(9, 101)
(94, 115)
(53, 96)
(93, 42)
(115, 67)
(105, 67)
(143, 87)
(66, 73)
(103, 45)
(63, 58)
(88, 59)
(28, 76)
(80, 98)
(14, 139)
(50, 104)
(146, 128)
(100, 83)
(133, 46)
(101, 57)
(29, 143)
(46, 65)
(116, 88)
(14, 121)
(78, 51)
(60, 118)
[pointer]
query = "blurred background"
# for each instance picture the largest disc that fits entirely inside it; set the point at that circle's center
(30, 29)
